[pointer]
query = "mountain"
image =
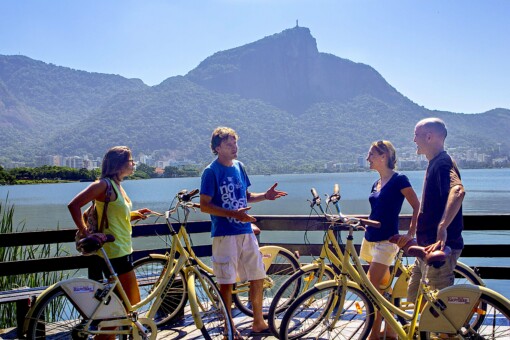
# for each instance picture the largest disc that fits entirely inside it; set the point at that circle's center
(287, 70)
(293, 106)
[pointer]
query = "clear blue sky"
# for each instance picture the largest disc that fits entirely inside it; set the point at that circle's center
(445, 55)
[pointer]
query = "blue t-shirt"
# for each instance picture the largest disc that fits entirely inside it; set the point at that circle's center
(227, 186)
(386, 205)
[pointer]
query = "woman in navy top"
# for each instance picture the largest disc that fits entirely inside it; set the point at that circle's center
(386, 199)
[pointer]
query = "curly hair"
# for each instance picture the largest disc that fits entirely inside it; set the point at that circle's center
(219, 135)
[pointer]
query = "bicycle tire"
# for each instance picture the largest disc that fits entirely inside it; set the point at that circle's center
(292, 288)
(55, 317)
(282, 266)
(148, 271)
(212, 309)
(306, 314)
(495, 323)
(465, 274)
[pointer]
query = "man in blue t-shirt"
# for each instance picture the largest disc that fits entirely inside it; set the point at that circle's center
(235, 252)
(440, 218)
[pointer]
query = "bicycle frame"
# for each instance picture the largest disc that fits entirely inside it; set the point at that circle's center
(435, 316)
(269, 252)
(109, 304)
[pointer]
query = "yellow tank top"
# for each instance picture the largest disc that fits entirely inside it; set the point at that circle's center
(119, 224)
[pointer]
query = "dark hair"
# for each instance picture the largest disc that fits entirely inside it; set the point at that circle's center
(114, 160)
(385, 147)
(219, 135)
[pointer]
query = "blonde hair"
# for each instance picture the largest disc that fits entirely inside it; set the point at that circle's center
(219, 135)
(385, 147)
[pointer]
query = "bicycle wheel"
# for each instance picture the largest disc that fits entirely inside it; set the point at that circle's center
(305, 318)
(282, 266)
(211, 307)
(56, 317)
(293, 287)
(148, 271)
(466, 275)
(494, 325)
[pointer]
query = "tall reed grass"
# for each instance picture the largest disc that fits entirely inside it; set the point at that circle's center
(18, 253)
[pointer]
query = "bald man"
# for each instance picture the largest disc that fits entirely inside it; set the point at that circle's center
(440, 219)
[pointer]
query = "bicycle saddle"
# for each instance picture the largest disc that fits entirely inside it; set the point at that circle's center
(435, 258)
(93, 242)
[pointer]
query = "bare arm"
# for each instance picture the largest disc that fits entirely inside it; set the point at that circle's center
(208, 207)
(271, 194)
(95, 191)
(411, 197)
(453, 204)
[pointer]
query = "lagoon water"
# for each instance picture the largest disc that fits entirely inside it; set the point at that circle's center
(43, 206)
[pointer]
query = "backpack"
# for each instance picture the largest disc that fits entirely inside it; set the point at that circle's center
(91, 219)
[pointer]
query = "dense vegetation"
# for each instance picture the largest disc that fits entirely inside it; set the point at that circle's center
(47, 174)
(295, 108)
(8, 311)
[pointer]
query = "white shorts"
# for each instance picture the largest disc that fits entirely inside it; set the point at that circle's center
(383, 252)
(237, 256)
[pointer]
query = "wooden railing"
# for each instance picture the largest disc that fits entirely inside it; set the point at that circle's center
(294, 224)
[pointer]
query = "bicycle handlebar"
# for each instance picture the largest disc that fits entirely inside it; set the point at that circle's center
(186, 196)
(339, 218)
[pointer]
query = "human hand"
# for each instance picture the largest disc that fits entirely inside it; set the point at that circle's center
(433, 247)
(403, 240)
(242, 216)
(441, 237)
(141, 214)
(272, 194)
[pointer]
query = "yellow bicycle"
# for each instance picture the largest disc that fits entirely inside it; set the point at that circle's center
(80, 308)
(279, 263)
(330, 261)
(345, 306)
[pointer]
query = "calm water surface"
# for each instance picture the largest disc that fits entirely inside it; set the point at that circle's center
(43, 206)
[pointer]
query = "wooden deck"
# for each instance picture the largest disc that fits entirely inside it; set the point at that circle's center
(183, 329)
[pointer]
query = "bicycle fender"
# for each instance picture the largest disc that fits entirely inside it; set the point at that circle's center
(269, 254)
(81, 291)
(460, 301)
(332, 283)
(469, 269)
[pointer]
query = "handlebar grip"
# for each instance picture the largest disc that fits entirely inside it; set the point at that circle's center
(186, 197)
(372, 223)
(336, 189)
(314, 193)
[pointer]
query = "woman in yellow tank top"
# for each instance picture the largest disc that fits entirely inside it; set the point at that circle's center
(117, 164)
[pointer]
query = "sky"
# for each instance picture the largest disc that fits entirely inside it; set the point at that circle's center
(451, 55)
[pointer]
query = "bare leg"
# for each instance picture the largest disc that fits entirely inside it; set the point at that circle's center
(130, 286)
(256, 288)
(379, 274)
(226, 294)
